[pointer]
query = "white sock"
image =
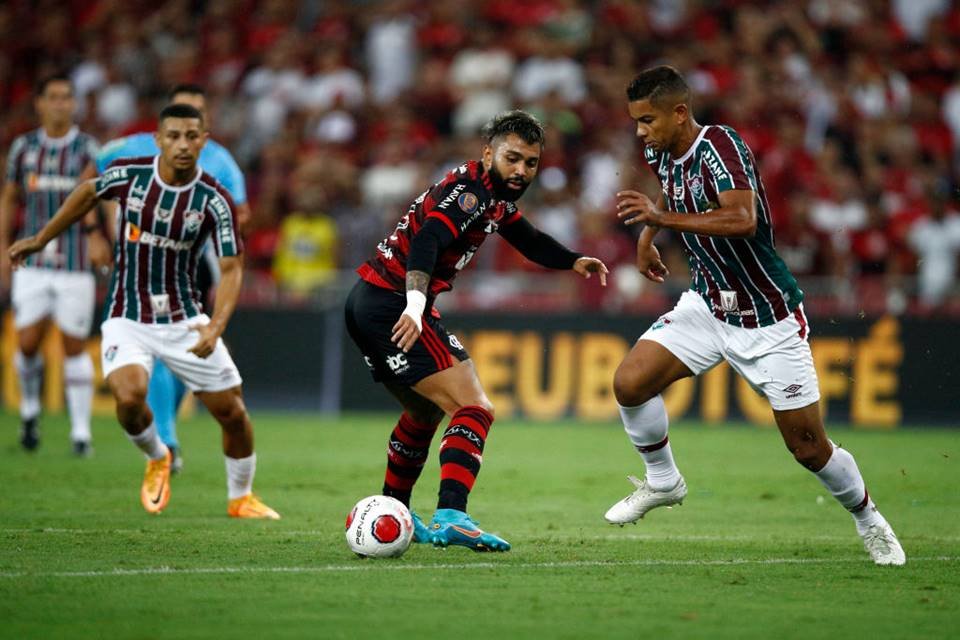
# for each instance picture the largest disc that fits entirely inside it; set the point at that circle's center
(149, 442)
(842, 479)
(240, 473)
(78, 377)
(646, 426)
(30, 373)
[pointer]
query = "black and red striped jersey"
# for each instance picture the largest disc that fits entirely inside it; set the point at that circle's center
(465, 202)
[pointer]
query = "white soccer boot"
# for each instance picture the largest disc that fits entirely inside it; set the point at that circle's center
(635, 505)
(881, 543)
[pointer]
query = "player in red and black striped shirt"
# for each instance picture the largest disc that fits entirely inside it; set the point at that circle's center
(390, 316)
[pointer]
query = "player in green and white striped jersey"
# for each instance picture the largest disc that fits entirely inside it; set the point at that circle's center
(169, 208)
(744, 307)
(43, 166)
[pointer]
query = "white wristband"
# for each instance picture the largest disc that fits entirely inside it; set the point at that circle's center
(416, 303)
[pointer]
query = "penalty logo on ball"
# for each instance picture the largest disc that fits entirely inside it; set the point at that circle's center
(379, 527)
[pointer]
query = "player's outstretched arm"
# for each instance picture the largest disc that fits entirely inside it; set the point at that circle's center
(542, 248)
(77, 204)
(98, 245)
(228, 292)
(8, 205)
(736, 217)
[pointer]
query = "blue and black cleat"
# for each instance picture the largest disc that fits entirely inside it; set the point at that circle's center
(453, 527)
(421, 534)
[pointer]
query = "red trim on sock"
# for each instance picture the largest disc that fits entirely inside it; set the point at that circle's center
(458, 442)
(394, 481)
(453, 471)
(475, 418)
(863, 503)
(654, 447)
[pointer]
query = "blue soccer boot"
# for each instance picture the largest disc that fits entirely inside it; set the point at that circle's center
(421, 534)
(453, 527)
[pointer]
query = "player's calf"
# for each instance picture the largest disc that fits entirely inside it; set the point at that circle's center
(407, 452)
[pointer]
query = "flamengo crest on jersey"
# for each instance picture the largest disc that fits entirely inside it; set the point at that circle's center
(464, 201)
(743, 280)
(46, 170)
(161, 232)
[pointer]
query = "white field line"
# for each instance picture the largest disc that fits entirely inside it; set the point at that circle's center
(613, 535)
(373, 565)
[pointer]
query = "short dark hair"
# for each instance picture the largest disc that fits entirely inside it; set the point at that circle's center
(186, 87)
(180, 111)
(518, 122)
(656, 84)
(45, 81)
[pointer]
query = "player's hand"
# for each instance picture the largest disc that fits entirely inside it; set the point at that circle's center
(406, 332)
(587, 266)
(649, 263)
(99, 251)
(207, 341)
(634, 207)
(20, 249)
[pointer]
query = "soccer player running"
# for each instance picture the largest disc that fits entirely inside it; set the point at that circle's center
(744, 307)
(391, 317)
(166, 391)
(43, 166)
(169, 208)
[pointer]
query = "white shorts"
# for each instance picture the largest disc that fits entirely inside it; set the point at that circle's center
(127, 341)
(67, 296)
(775, 360)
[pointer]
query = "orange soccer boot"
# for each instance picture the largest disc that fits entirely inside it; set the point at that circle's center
(250, 506)
(155, 490)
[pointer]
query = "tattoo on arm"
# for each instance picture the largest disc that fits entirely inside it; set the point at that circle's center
(418, 281)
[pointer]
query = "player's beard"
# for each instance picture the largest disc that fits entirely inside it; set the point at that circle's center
(500, 188)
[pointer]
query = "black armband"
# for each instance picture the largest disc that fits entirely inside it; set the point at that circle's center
(538, 246)
(433, 237)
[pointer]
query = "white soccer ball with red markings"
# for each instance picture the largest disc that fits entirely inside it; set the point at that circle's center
(379, 527)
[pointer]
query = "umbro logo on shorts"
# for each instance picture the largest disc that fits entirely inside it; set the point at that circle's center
(793, 390)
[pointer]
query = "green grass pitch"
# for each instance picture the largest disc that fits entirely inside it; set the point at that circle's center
(758, 550)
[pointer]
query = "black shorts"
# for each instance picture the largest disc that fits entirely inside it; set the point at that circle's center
(371, 313)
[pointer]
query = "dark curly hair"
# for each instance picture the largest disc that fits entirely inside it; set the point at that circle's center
(518, 122)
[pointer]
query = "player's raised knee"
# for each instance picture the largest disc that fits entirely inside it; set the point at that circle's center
(630, 386)
(230, 414)
(129, 395)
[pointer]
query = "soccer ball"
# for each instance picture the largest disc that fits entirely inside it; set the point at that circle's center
(379, 527)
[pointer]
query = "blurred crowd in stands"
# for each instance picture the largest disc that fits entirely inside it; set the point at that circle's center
(341, 112)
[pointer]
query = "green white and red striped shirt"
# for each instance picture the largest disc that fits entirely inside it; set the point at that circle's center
(160, 237)
(46, 170)
(743, 280)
